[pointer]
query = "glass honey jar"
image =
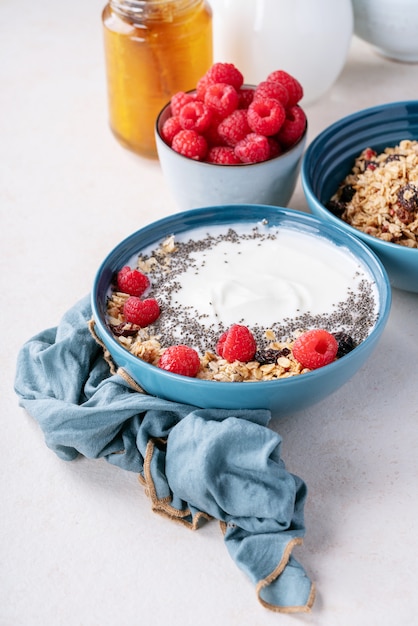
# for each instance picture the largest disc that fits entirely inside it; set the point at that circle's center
(153, 48)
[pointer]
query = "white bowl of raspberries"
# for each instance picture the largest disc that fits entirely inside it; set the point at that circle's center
(227, 142)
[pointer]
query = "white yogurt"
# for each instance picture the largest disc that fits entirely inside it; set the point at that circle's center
(261, 283)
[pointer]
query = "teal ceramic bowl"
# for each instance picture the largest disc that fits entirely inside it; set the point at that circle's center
(281, 396)
(329, 158)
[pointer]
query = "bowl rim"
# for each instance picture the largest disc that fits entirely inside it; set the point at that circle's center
(297, 146)
(308, 188)
(373, 265)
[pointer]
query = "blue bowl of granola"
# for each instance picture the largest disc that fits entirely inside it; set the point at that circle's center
(361, 174)
(242, 287)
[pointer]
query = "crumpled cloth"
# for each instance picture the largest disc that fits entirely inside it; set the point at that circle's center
(195, 464)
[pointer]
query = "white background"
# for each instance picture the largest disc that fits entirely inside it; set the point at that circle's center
(79, 543)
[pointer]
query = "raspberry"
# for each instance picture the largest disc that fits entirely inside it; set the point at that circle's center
(170, 128)
(275, 148)
(293, 127)
(179, 99)
(271, 89)
(245, 97)
(259, 123)
(237, 344)
(195, 116)
(221, 98)
(131, 281)
(225, 73)
(201, 86)
(180, 360)
(234, 127)
(315, 348)
(293, 86)
(221, 342)
(222, 155)
(266, 117)
(141, 312)
(254, 148)
(212, 135)
(190, 144)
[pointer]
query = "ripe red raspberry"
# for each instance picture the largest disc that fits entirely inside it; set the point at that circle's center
(212, 135)
(225, 73)
(190, 144)
(315, 348)
(271, 89)
(221, 98)
(222, 155)
(170, 128)
(201, 86)
(245, 97)
(179, 99)
(141, 312)
(266, 117)
(254, 148)
(275, 148)
(195, 116)
(132, 281)
(293, 86)
(293, 127)
(234, 127)
(220, 345)
(237, 344)
(180, 360)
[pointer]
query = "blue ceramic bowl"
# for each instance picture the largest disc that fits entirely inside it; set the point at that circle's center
(281, 396)
(329, 158)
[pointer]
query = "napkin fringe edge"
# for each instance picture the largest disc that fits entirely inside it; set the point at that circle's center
(265, 582)
(163, 506)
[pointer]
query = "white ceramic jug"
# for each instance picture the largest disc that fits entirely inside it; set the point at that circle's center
(307, 38)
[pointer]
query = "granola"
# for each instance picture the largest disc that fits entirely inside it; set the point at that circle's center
(147, 347)
(380, 194)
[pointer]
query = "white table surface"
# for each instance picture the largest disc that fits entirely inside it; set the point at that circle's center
(79, 543)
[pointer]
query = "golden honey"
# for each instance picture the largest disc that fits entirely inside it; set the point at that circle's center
(153, 49)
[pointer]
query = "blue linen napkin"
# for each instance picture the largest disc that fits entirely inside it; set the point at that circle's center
(195, 464)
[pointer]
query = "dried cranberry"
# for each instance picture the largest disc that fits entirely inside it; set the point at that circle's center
(370, 165)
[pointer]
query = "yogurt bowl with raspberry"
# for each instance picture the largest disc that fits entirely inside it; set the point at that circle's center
(241, 307)
(227, 142)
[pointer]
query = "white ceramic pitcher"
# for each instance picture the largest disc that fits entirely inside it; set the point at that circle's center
(307, 38)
